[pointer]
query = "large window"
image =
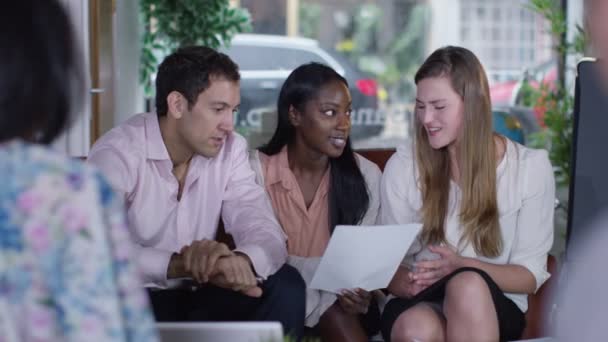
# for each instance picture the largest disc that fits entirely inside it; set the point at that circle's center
(269, 58)
(378, 45)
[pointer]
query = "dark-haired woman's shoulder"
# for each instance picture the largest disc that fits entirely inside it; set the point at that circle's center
(372, 175)
(371, 172)
(367, 167)
(258, 155)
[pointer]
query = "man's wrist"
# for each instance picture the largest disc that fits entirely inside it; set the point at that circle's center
(244, 256)
(176, 268)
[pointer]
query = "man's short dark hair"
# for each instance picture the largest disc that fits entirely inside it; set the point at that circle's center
(40, 70)
(189, 71)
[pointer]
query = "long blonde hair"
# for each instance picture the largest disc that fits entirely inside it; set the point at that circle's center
(477, 157)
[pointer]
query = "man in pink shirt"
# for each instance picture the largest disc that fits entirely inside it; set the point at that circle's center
(179, 169)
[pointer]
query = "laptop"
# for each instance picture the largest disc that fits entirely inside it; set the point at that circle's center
(589, 181)
(220, 331)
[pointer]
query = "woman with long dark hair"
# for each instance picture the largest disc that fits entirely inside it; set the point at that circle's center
(315, 181)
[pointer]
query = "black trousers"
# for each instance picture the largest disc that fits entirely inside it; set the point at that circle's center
(283, 300)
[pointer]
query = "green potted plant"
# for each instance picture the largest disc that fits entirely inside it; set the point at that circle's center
(169, 24)
(555, 104)
(555, 101)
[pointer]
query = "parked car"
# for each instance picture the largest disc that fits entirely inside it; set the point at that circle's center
(510, 93)
(265, 61)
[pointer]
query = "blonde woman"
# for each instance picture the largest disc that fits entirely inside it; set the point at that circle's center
(486, 205)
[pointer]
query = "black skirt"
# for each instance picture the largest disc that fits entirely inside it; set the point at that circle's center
(511, 320)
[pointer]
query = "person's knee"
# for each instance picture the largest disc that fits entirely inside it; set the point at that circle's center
(420, 323)
(469, 306)
(287, 285)
(334, 315)
(465, 289)
(284, 300)
(288, 278)
(337, 325)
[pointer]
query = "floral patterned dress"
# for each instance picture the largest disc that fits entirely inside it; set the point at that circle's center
(65, 269)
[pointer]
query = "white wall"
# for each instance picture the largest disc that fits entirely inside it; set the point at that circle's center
(445, 24)
(575, 17)
(75, 141)
(128, 94)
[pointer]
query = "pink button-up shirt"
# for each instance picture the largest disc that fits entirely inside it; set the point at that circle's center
(307, 229)
(134, 158)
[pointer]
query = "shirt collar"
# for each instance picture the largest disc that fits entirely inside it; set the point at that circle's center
(278, 169)
(279, 172)
(155, 146)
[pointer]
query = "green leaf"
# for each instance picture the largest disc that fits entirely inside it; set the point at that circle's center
(185, 22)
(557, 101)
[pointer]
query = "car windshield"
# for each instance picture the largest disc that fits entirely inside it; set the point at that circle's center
(256, 57)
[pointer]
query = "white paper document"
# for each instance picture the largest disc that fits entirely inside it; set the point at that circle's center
(364, 257)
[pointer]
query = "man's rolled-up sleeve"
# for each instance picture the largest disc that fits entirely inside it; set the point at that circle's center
(248, 216)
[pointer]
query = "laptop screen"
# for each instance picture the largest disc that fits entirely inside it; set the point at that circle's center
(589, 177)
(220, 331)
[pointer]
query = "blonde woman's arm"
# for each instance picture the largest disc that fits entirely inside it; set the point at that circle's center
(526, 270)
(396, 189)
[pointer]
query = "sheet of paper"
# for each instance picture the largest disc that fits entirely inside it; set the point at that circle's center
(364, 257)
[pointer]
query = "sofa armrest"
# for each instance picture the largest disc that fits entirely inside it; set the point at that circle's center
(539, 304)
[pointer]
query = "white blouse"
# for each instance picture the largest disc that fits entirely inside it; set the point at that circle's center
(526, 197)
